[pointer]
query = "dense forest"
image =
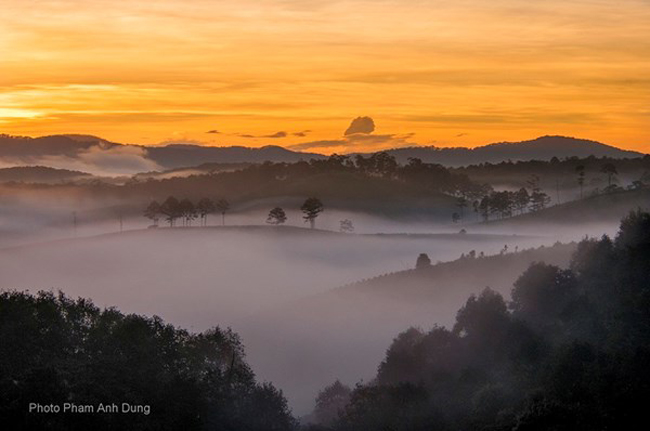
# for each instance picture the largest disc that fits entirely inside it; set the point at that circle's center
(568, 351)
(57, 350)
(375, 184)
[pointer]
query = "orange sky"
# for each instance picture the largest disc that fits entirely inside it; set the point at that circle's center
(462, 72)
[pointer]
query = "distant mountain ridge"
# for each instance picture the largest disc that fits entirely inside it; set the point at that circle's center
(40, 174)
(542, 148)
(18, 150)
(182, 155)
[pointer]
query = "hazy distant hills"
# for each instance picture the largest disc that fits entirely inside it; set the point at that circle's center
(175, 156)
(40, 174)
(542, 148)
(90, 149)
(17, 147)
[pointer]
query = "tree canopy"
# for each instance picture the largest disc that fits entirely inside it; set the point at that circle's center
(58, 350)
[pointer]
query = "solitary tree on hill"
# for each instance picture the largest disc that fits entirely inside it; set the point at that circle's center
(461, 203)
(580, 170)
(277, 216)
(346, 226)
(611, 172)
(423, 261)
(311, 209)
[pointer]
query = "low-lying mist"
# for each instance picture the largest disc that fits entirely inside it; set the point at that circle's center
(259, 279)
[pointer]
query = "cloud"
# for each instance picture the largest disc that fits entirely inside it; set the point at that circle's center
(276, 135)
(182, 141)
(361, 125)
(357, 142)
(358, 137)
(301, 134)
(317, 144)
(213, 131)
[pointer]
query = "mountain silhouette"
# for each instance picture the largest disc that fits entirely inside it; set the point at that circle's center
(542, 148)
(18, 150)
(182, 155)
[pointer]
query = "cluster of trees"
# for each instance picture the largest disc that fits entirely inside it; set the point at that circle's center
(506, 203)
(569, 351)
(431, 176)
(311, 208)
(172, 209)
(56, 350)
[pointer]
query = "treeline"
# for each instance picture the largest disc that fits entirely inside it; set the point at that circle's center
(56, 350)
(503, 204)
(173, 209)
(587, 176)
(363, 175)
(569, 351)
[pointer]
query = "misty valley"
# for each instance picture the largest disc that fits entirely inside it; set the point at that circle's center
(343, 292)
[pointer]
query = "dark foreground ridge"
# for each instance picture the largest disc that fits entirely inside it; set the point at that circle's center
(65, 364)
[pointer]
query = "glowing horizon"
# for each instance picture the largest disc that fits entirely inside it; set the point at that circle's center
(290, 73)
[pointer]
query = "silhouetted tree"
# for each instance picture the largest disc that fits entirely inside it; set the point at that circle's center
(521, 200)
(276, 216)
(346, 226)
(311, 208)
(223, 206)
(330, 402)
(611, 171)
(580, 170)
(484, 208)
(539, 200)
(187, 211)
(171, 210)
(153, 212)
(461, 203)
(205, 207)
(423, 261)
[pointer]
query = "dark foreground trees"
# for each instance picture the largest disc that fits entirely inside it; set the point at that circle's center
(569, 352)
(55, 350)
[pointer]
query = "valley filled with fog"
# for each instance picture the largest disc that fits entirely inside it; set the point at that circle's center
(257, 279)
